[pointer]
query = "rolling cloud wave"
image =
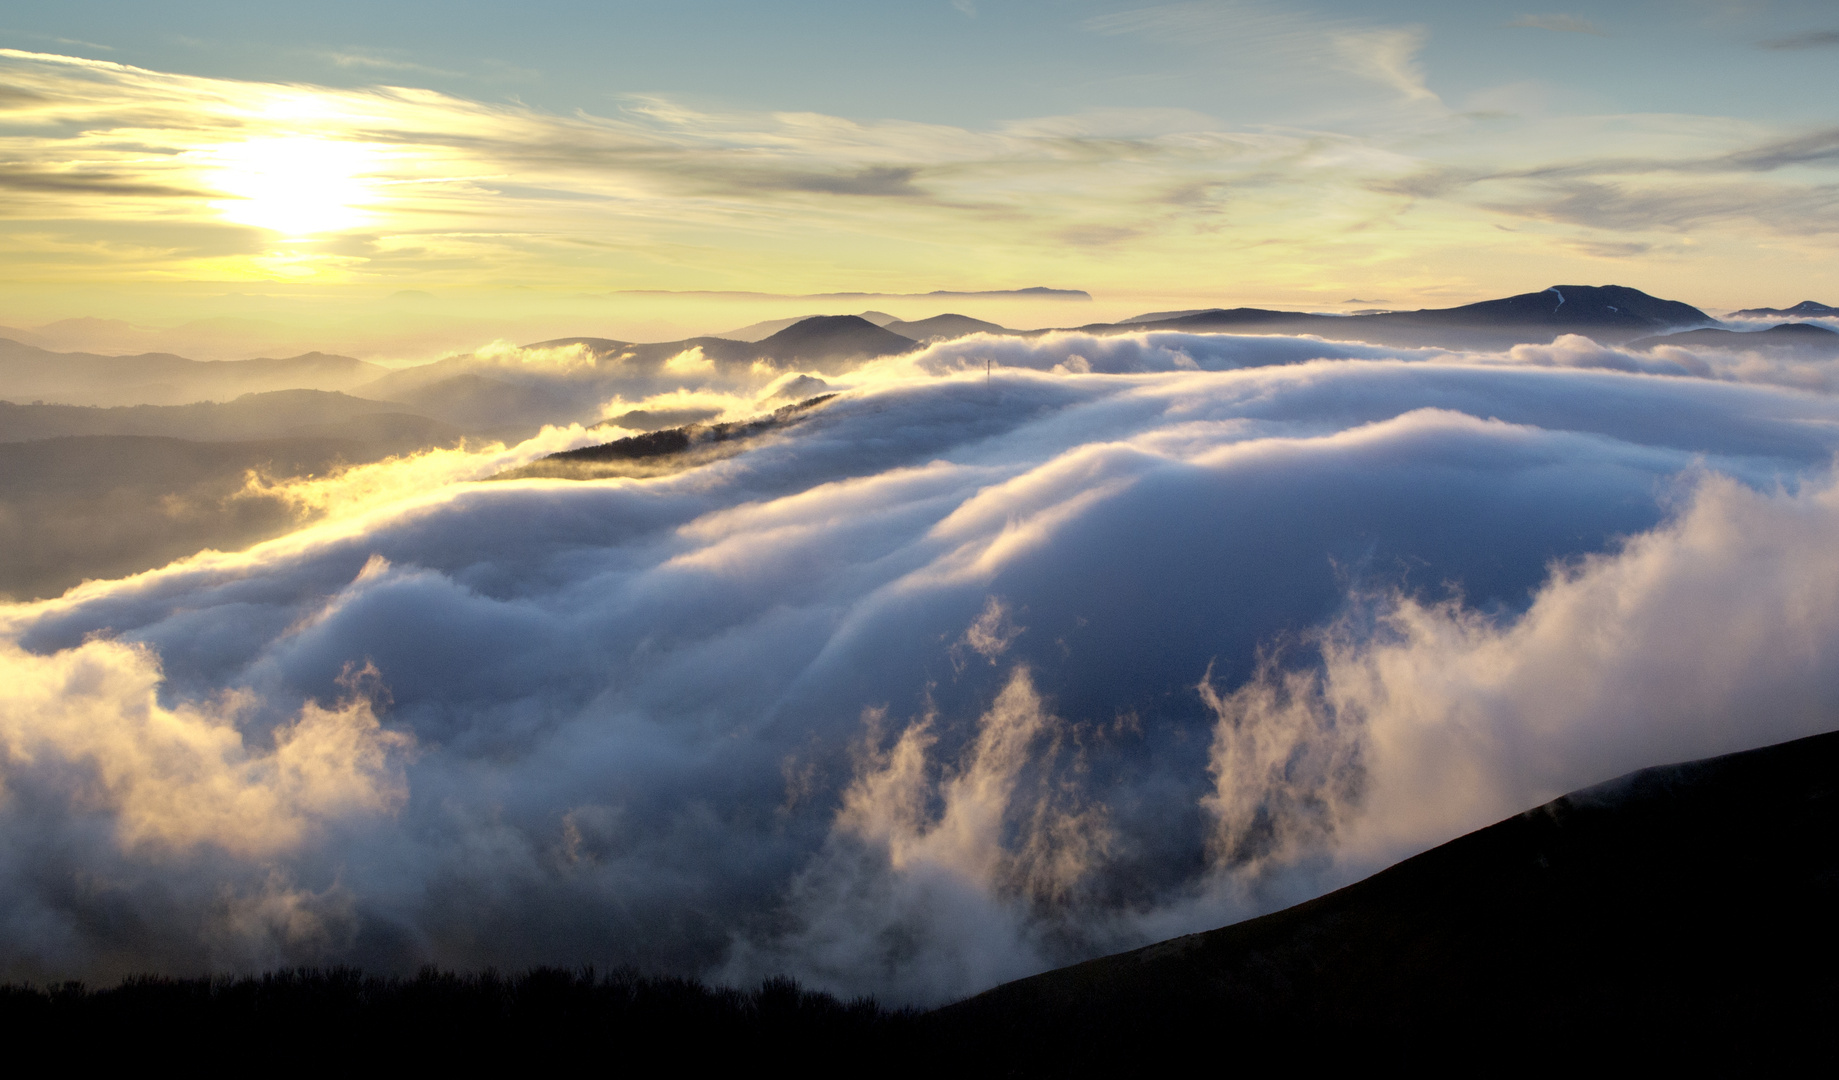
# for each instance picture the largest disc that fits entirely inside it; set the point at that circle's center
(960, 677)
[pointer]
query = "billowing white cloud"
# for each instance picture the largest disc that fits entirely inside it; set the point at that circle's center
(958, 677)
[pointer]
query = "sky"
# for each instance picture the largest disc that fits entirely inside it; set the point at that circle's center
(373, 172)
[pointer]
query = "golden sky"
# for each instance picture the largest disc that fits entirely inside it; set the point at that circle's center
(147, 194)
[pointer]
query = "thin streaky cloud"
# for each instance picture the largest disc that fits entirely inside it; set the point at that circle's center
(55, 40)
(1293, 40)
(435, 184)
(1557, 23)
(369, 61)
(1816, 39)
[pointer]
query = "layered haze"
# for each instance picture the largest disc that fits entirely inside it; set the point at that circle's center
(1013, 651)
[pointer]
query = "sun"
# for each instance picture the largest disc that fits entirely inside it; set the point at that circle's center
(298, 186)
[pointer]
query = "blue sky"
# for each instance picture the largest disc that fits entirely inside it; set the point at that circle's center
(971, 63)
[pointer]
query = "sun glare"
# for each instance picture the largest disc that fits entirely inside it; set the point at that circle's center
(297, 186)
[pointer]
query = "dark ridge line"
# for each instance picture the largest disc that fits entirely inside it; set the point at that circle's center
(447, 1015)
(654, 444)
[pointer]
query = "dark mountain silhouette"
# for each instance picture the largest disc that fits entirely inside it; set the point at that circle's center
(1805, 336)
(826, 342)
(761, 330)
(663, 451)
(1689, 902)
(275, 414)
(1607, 313)
(1806, 309)
(28, 373)
(943, 328)
(1563, 306)
(1161, 316)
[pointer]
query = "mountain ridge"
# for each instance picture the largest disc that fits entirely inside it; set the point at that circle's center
(1806, 309)
(1807, 336)
(1608, 313)
(1595, 912)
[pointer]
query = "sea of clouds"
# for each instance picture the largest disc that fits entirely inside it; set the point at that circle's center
(964, 674)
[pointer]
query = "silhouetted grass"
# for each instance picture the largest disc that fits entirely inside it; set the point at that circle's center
(443, 1014)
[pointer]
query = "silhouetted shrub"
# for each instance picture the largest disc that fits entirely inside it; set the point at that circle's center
(447, 1016)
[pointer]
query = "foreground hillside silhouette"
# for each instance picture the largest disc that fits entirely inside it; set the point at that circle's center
(1695, 902)
(1684, 910)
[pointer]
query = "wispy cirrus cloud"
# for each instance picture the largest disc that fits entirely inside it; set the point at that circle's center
(372, 60)
(1557, 23)
(1812, 39)
(1669, 193)
(317, 184)
(455, 178)
(1284, 38)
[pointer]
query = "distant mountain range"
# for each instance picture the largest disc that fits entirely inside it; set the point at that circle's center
(821, 343)
(1607, 313)
(1806, 309)
(1805, 337)
(28, 373)
(1610, 314)
(465, 395)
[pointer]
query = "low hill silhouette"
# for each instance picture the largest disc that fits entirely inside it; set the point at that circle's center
(664, 450)
(1685, 902)
(824, 341)
(1607, 313)
(28, 373)
(1806, 336)
(944, 328)
(1806, 309)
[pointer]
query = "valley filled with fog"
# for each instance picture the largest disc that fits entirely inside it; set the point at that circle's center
(901, 657)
